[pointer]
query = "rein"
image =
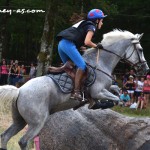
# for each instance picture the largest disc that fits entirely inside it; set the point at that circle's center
(123, 58)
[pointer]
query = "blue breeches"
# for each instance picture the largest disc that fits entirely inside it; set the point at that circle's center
(68, 51)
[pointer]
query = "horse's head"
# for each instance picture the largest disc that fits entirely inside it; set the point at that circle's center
(125, 45)
(134, 55)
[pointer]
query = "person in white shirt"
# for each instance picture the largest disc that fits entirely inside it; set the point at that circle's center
(139, 87)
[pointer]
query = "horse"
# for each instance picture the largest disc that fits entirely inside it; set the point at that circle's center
(38, 98)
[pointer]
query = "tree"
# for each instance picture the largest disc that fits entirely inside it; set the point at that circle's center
(3, 31)
(56, 19)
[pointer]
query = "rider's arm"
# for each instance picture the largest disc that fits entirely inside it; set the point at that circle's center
(88, 39)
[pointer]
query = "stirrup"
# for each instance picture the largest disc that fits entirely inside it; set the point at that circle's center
(77, 96)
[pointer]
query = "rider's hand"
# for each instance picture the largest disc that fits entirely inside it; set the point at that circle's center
(99, 46)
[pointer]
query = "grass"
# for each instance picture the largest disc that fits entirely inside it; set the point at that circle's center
(132, 112)
(5, 121)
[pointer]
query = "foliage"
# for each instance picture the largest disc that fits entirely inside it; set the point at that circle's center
(24, 31)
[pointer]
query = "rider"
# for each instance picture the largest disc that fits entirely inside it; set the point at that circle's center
(71, 39)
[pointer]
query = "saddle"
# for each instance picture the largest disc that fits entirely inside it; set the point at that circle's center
(68, 67)
(64, 78)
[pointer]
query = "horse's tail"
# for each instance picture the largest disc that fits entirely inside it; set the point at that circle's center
(8, 97)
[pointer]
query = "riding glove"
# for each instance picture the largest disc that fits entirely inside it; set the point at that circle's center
(99, 46)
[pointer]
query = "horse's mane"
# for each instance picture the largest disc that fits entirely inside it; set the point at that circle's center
(112, 37)
(115, 36)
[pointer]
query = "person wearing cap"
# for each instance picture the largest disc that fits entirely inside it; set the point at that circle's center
(146, 89)
(130, 87)
(78, 35)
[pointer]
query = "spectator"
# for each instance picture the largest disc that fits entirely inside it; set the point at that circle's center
(22, 74)
(16, 73)
(139, 87)
(11, 74)
(146, 89)
(32, 71)
(130, 87)
(126, 76)
(4, 72)
(141, 101)
(125, 98)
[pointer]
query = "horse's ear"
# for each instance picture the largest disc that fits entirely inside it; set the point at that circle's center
(140, 36)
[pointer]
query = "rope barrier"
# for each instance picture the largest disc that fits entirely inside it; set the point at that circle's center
(14, 74)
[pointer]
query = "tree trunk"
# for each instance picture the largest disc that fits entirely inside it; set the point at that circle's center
(86, 129)
(47, 40)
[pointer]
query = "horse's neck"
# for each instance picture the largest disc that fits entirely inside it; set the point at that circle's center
(104, 60)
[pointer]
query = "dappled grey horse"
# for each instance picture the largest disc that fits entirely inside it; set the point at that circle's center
(39, 97)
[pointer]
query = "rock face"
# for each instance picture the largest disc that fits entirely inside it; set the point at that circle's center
(85, 129)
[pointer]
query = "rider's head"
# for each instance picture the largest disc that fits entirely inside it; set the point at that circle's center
(96, 16)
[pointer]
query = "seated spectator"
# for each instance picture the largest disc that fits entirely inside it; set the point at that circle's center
(125, 98)
(130, 87)
(141, 101)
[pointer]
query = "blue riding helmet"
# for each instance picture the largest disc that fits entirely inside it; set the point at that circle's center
(95, 14)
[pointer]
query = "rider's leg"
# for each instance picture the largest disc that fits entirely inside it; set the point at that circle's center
(67, 50)
(64, 58)
(67, 65)
(78, 83)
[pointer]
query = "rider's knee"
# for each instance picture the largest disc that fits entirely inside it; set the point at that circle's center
(82, 66)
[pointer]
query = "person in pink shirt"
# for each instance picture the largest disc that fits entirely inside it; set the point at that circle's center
(4, 72)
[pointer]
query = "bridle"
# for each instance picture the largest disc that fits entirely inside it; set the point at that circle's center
(135, 49)
(126, 59)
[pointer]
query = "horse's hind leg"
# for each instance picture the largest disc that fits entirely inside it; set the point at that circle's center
(11, 131)
(34, 128)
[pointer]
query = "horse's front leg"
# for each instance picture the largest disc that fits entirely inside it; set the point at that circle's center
(106, 95)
